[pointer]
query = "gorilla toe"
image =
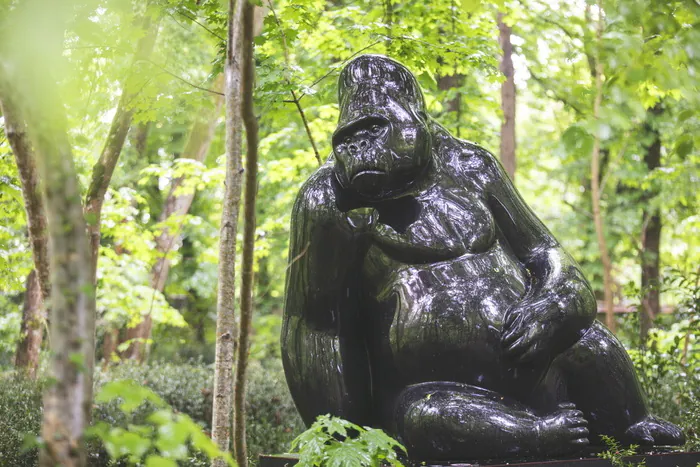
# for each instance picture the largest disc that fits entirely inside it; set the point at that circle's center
(655, 431)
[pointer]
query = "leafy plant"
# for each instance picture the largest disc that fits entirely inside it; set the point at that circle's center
(616, 453)
(334, 442)
(165, 438)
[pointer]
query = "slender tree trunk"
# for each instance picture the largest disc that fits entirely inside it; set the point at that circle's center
(454, 105)
(104, 167)
(595, 181)
(651, 238)
(139, 137)
(109, 346)
(31, 330)
(247, 266)
(33, 314)
(176, 204)
(15, 131)
(507, 99)
(225, 306)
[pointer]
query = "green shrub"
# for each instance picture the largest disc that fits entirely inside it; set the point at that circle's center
(271, 416)
(20, 414)
(185, 387)
(272, 419)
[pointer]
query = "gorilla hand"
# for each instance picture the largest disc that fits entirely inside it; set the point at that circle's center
(530, 329)
(362, 220)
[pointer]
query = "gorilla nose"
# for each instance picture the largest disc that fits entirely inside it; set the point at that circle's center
(368, 182)
(358, 145)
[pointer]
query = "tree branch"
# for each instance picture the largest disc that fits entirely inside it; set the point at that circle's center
(542, 82)
(289, 82)
(105, 165)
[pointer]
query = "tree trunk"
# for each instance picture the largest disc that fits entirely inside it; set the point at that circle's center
(225, 306)
(507, 99)
(454, 105)
(27, 73)
(109, 346)
(33, 315)
(247, 264)
(176, 204)
(595, 182)
(32, 329)
(651, 238)
(67, 402)
(104, 167)
(139, 137)
(15, 131)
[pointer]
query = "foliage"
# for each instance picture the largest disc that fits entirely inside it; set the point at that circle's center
(272, 419)
(10, 319)
(668, 363)
(20, 406)
(166, 436)
(334, 442)
(616, 453)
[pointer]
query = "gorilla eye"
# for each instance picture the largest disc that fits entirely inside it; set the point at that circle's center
(375, 129)
(346, 140)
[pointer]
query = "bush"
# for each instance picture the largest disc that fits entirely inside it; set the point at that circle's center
(271, 416)
(20, 414)
(272, 420)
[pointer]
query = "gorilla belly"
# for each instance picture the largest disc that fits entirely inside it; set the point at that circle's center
(442, 321)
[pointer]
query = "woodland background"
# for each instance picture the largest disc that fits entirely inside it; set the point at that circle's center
(594, 109)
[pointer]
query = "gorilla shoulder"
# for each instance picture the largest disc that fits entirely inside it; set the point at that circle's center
(468, 161)
(317, 194)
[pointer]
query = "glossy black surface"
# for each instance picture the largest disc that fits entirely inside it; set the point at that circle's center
(426, 298)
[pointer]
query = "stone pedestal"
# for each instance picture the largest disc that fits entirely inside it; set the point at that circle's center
(672, 459)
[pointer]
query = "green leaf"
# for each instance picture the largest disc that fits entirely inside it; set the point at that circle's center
(159, 461)
(684, 146)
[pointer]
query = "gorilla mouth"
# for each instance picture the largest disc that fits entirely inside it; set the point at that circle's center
(369, 182)
(367, 173)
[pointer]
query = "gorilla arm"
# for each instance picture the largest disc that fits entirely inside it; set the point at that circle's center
(559, 305)
(323, 353)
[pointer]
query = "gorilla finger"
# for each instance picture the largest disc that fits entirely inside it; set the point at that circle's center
(517, 348)
(580, 442)
(580, 432)
(573, 413)
(580, 422)
(511, 336)
(512, 318)
(567, 405)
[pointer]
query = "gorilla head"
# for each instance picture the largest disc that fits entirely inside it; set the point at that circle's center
(382, 143)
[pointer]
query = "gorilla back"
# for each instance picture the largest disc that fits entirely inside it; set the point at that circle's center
(426, 298)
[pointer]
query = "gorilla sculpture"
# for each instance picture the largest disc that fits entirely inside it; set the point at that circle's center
(424, 296)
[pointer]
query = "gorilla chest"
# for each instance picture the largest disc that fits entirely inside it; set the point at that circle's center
(442, 321)
(442, 223)
(437, 293)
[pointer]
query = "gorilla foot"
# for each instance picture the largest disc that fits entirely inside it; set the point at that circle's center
(654, 431)
(563, 431)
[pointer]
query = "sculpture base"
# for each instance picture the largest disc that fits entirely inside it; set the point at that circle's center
(669, 459)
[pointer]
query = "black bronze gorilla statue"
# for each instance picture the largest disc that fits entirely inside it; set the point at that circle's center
(424, 296)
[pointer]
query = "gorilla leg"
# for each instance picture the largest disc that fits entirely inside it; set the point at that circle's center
(450, 421)
(600, 379)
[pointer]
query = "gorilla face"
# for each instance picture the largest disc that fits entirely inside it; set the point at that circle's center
(382, 151)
